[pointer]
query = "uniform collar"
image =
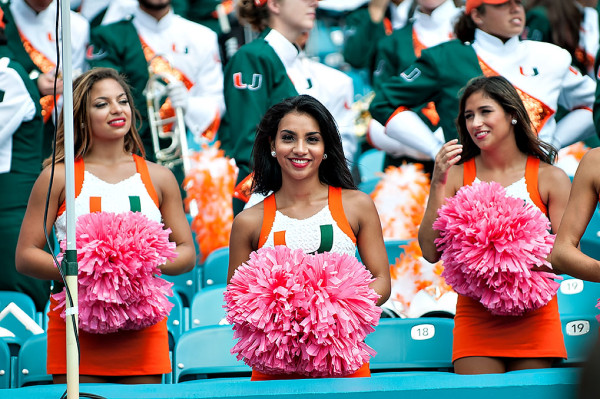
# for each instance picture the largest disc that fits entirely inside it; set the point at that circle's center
(494, 45)
(23, 9)
(286, 50)
(439, 17)
(147, 21)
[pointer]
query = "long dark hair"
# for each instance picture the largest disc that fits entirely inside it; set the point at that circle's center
(82, 131)
(503, 92)
(267, 171)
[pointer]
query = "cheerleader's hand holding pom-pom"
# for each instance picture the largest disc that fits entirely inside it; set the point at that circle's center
(491, 245)
(303, 314)
(119, 284)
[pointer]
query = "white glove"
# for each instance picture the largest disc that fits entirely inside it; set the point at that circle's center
(178, 94)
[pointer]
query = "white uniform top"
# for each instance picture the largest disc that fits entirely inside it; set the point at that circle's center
(192, 49)
(16, 107)
(333, 88)
(39, 29)
(305, 234)
(525, 63)
(439, 26)
(115, 198)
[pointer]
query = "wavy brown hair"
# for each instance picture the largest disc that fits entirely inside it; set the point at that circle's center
(82, 132)
(256, 16)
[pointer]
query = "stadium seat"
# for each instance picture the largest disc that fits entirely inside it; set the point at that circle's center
(412, 344)
(4, 365)
(20, 321)
(31, 362)
(176, 320)
(186, 285)
(214, 268)
(368, 186)
(580, 333)
(578, 297)
(370, 163)
(204, 352)
(207, 307)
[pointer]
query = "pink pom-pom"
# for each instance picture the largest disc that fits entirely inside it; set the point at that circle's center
(302, 314)
(490, 242)
(119, 287)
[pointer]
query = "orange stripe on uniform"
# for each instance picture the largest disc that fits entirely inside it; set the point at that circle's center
(79, 166)
(270, 206)
(142, 169)
(337, 211)
(279, 238)
(531, 180)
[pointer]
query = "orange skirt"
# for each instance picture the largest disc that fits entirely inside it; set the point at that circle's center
(363, 371)
(535, 334)
(124, 353)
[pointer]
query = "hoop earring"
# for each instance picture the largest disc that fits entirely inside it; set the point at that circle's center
(514, 121)
(273, 154)
(324, 156)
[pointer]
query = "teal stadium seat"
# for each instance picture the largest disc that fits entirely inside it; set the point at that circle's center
(176, 321)
(204, 352)
(207, 307)
(21, 322)
(580, 333)
(368, 186)
(412, 344)
(5, 367)
(214, 268)
(186, 285)
(370, 163)
(578, 297)
(31, 362)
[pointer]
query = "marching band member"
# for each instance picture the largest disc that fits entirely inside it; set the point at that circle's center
(30, 30)
(153, 35)
(432, 24)
(21, 131)
(488, 44)
(370, 23)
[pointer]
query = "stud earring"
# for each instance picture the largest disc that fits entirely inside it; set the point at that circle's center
(514, 121)
(324, 156)
(273, 154)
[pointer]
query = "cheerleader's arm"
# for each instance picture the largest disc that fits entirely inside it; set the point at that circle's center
(583, 201)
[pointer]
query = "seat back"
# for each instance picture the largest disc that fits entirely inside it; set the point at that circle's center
(4, 365)
(370, 163)
(176, 320)
(207, 307)
(214, 268)
(18, 315)
(412, 344)
(580, 333)
(204, 352)
(577, 297)
(31, 362)
(186, 284)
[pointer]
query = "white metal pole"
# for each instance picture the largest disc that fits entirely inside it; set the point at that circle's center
(70, 266)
